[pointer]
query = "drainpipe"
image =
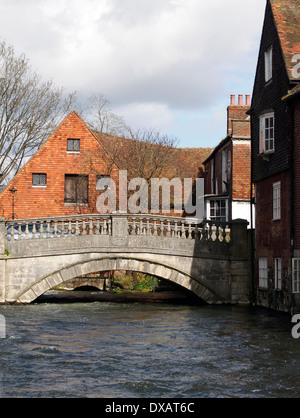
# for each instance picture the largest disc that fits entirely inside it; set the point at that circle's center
(292, 224)
(252, 243)
(252, 248)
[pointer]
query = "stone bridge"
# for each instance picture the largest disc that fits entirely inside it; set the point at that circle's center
(209, 259)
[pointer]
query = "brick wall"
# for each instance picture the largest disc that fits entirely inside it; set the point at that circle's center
(273, 240)
(296, 164)
(241, 170)
(54, 161)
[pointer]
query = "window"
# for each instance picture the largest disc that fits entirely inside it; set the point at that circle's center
(76, 189)
(276, 201)
(278, 281)
(212, 177)
(39, 180)
(73, 145)
(267, 133)
(296, 275)
(224, 170)
(263, 272)
(268, 64)
(219, 210)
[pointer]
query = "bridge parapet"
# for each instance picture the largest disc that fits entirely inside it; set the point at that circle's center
(118, 226)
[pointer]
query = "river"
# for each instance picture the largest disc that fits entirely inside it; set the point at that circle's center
(142, 350)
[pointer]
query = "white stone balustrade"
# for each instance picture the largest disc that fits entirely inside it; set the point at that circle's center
(136, 225)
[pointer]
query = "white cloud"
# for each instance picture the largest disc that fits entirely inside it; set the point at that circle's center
(147, 115)
(170, 54)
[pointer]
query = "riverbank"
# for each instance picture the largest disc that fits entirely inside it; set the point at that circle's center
(74, 296)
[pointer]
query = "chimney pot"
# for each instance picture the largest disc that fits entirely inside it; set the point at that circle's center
(232, 100)
(248, 100)
(241, 100)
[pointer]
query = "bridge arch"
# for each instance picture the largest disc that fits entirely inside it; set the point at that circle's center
(183, 279)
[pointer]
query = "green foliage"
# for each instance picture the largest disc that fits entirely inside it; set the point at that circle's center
(6, 252)
(136, 282)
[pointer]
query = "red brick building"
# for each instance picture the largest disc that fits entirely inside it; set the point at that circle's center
(61, 178)
(275, 154)
(293, 109)
(228, 168)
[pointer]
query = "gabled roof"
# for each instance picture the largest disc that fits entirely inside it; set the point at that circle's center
(287, 20)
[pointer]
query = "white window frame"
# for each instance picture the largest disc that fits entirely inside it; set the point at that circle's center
(269, 64)
(278, 274)
(217, 208)
(263, 272)
(267, 133)
(277, 201)
(296, 275)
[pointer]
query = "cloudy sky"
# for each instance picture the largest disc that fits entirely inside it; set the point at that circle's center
(167, 64)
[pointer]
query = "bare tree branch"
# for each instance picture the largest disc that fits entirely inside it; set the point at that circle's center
(30, 110)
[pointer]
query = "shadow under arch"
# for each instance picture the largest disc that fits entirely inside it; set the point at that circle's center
(166, 272)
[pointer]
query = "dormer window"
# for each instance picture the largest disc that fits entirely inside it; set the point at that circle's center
(73, 145)
(268, 64)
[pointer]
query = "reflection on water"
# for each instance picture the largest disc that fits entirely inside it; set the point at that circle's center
(147, 350)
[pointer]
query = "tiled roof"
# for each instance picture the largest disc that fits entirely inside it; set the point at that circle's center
(186, 162)
(287, 19)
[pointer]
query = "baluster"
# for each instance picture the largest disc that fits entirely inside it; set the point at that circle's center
(204, 232)
(197, 233)
(62, 227)
(34, 234)
(97, 226)
(84, 227)
(155, 228)
(169, 228)
(47, 229)
(133, 226)
(55, 229)
(218, 233)
(209, 232)
(148, 231)
(190, 231)
(104, 229)
(91, 227)
(176, 229)
(70, 228)
(26, 231)
(183, 230)
(77, 232)
(20, 231)
(227, 234)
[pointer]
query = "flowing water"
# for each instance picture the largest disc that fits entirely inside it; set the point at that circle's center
(118, 350)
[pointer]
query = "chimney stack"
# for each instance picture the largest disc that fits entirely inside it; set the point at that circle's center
(236, 112)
